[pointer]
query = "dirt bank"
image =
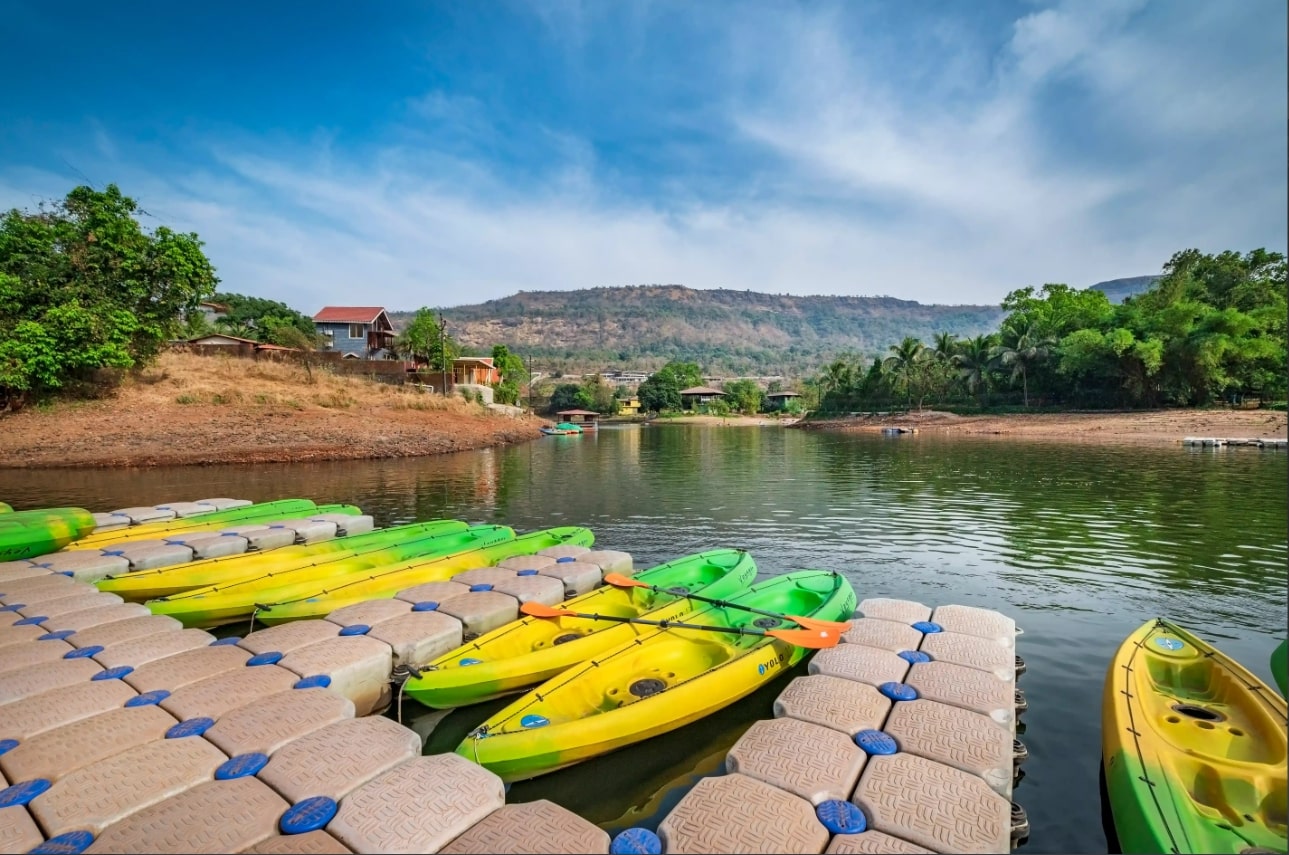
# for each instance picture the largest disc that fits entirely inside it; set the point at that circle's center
(1147, 426)
(203, 410)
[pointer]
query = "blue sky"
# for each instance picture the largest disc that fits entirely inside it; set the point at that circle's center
(409, 154)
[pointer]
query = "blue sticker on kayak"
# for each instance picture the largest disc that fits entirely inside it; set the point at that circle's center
(534, 721)
(1168, 643)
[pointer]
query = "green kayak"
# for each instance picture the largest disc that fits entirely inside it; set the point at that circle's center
(28, 534)
(1279, 660)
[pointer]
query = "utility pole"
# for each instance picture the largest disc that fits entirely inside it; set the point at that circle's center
(443, 354)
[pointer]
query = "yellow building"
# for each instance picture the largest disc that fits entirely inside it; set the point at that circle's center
(629, 407)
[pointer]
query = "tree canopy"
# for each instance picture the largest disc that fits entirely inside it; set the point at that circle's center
(84, 287)
(424, 342)
(264, 320)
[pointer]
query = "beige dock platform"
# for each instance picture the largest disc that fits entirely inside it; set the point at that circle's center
(310, 843)
(61, 706)
(265, 726)
(901, 739)
(532, 827)
(337, 759)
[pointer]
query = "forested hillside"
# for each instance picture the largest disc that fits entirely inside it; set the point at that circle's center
(724, 331)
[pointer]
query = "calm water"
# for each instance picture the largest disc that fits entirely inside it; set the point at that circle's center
(1081, 544)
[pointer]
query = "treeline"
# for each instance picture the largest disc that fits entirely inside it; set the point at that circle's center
(1211, 329)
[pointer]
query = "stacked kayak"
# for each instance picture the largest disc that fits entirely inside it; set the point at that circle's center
(5, 509)
(314, 600)
(27, 534)
(1279, 667)
(660, 680)
(245, 595)
(213, 521)
(1194, 748)
(263, 569)
(521, 654)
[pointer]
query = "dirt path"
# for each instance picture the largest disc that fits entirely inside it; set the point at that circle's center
(1149, 426)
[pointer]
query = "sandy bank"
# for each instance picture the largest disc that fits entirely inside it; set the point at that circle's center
(204, 410)
(1146, 426)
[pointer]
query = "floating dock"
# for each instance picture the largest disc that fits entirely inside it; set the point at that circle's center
(121, 731)
(1223, 442)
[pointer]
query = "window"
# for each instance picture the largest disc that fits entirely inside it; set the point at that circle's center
(357, 331)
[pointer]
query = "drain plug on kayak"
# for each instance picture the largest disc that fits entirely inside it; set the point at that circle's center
(568, 636)
(1200, 713)
(765, 622)
(646, 687)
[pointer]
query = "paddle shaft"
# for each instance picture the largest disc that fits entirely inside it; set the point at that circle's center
(670, 624)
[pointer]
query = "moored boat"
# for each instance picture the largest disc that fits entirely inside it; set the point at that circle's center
(657, 682)
(1194, 748)
(531, 650)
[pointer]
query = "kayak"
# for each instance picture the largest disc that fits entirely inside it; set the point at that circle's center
(529, 651)
(215, 520)
(250, 568)
(5, 508)
(314, 601)
(1193, 748)
(655, 683)
(214, 605)
(28, 534)
(1279, 664)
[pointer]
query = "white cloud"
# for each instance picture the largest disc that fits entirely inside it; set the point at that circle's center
(951, 193)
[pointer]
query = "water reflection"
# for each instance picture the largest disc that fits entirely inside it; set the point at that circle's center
(1080, 543)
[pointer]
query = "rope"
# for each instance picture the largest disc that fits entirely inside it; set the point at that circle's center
(400, 675)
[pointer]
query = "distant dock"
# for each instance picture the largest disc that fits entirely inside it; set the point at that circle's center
(1222, 442)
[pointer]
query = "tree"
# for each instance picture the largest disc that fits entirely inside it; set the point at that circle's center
(568, 396)
(906, 364)
(1024, 347)
(599, 395)
(424, 342)
(512, 371)
(974, 359)
(263, 320)
(684, 375)
(659, 394)
(745, 396)
(84, 287)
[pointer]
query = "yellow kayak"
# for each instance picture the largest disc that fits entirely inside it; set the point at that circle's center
(315, 600)
(662, 680)
(215, 605)
(1194, 748)
(378, 547)
(529, 651)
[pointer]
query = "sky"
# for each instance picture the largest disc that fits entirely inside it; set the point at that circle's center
(410, 154)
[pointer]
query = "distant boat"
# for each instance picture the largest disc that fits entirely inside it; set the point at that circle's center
(561, 429)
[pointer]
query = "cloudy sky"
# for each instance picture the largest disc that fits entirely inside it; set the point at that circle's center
(408, 154)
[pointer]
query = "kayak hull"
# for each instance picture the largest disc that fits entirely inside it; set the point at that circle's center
(529, 651)
(654, 684)
(1194, 748)
(30, 534)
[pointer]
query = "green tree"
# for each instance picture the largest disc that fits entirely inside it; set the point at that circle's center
(263, 320)
(84, 287)
(424, 342)
(1023, 348)
(906, 364)
(600, 395)
(685, 375)
(512, 372)
(569, 396)
(973, 360)
(745, 396)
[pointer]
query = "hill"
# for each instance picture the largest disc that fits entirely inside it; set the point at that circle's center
(726, 332)
(1118, 290)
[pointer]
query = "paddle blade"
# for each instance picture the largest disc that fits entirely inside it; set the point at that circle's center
(537, 609)
(815, 639)
(617, 580)
(810, 623)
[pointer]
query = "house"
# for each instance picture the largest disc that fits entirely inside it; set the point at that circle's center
(629, 406)
(696, 396)
(586, 418)
(475, 371)
(212, 311)
(362, 332)
(779, 400)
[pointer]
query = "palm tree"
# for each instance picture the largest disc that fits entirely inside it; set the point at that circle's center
(974, 359)
(1023, 348)
(905, 363)
(837, 379)
(945, 345)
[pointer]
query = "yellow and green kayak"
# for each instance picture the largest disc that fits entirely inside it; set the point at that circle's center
(265, 569)
(215, 605)
(657, 682)
(312, 600)
(5, 508)
(1194, 748)
(1279, 667)
(529, 651)
(213, 521)
(28, 534)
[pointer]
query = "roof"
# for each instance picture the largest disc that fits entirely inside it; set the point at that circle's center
(701, 390)
(348, 314)
(274, 347)
(486, 360)
(577, 413)
(202, 338)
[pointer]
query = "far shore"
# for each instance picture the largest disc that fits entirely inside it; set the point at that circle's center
(1153, 427)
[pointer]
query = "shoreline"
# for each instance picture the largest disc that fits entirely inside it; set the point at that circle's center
(1135, 427)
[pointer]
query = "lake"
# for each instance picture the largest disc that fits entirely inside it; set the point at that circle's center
(1080, 543)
